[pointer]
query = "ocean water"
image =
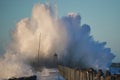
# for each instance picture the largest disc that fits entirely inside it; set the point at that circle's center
(49, 74)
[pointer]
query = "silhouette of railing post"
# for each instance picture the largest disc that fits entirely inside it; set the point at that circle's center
(77, 75)
(69, 74)
(81, 75)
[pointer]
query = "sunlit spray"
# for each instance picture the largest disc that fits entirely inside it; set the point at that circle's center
(64, 36)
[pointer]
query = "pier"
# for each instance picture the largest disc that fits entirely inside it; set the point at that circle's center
(86, 74)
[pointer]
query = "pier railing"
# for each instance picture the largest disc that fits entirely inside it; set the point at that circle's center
(86, 74)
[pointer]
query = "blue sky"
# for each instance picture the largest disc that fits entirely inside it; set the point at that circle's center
(102, 15)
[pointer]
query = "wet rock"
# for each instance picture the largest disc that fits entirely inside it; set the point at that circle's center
(34, 77)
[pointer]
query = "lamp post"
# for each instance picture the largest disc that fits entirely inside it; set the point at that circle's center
(55, 59)
(56, 64)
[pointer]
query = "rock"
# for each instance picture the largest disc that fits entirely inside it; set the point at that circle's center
(34, 77)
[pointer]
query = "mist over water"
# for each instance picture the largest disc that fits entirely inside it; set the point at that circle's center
(64, 36)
